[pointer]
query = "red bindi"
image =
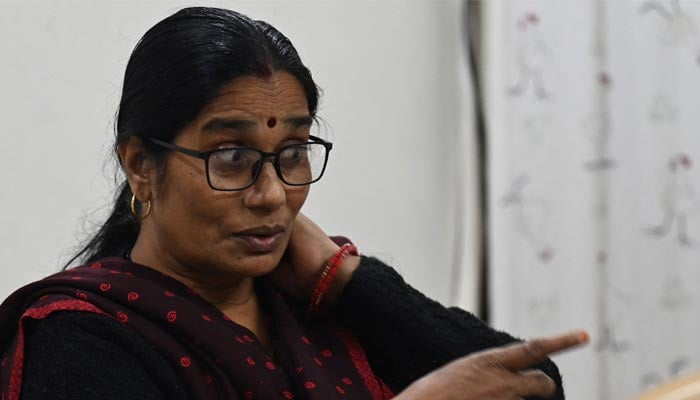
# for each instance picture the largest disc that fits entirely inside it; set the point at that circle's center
(271, 122)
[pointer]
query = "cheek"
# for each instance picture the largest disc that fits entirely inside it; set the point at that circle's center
(188, 205)
(296, 198)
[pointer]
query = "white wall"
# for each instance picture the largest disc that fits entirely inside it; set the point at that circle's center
(392, 74)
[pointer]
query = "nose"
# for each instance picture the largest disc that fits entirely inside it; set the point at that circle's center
(268, 190)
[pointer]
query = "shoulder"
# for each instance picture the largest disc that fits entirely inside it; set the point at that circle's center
(82, 331)
(81, 354)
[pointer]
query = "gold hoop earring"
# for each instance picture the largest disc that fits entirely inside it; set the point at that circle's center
(133, 208)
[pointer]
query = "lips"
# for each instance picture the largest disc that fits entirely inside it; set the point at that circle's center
(264, 230)
(261, 239)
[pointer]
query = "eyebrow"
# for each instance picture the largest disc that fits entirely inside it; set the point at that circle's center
(217, 124)
(299, 122)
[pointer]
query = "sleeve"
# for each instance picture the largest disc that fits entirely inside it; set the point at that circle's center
(78, 355)
(407, 335)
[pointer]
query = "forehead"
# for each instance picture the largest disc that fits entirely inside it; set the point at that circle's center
(255, 97)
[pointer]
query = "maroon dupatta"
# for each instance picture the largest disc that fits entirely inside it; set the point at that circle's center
(214, 357)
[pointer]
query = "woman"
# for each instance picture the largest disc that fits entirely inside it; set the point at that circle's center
(207, 282)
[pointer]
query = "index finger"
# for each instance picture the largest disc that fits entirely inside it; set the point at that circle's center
(526, 354)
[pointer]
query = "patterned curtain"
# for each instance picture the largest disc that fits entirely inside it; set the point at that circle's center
(594, 135)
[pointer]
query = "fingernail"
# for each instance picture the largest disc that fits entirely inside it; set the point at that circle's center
(583, 337)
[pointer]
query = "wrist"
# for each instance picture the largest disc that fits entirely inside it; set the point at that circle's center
(335, 275)
(347, 268)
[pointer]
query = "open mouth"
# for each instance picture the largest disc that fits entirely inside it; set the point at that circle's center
(262, 239)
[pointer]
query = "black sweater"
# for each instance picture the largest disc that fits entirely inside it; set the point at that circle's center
(72, 355)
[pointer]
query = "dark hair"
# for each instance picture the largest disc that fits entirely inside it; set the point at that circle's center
(174, 71)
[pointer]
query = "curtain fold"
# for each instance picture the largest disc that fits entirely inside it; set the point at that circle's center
(594, 214)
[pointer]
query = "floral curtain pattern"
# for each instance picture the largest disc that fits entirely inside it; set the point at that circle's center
(594, 136)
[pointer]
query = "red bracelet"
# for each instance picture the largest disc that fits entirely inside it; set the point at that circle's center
(328, 274)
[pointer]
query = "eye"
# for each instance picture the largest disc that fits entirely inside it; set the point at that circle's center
(232, 161)
(236, 156)
(294, 156)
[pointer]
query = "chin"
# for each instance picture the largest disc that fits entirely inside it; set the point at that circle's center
(257, 265)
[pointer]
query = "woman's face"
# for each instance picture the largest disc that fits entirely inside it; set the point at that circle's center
(242, 233)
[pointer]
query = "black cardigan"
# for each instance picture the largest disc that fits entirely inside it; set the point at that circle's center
(73, 355)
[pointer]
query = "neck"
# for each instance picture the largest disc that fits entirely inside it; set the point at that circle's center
(234, 296)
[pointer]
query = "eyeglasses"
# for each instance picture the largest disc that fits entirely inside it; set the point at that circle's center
(238, 168)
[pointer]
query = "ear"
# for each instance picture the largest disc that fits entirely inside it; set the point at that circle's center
(140, 173)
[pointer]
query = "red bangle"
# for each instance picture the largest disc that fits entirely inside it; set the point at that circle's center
(328, 274)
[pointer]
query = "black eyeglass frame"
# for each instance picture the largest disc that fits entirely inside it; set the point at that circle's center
(204, 155)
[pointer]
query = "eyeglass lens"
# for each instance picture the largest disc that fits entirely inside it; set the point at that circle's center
(231, 169)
